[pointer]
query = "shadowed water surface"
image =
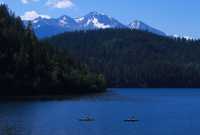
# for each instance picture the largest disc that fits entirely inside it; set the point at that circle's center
(160, 111)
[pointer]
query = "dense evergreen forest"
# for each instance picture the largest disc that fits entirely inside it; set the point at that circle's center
(30, 67)
(131, 58)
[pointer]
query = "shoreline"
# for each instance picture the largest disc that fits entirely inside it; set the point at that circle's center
(47, 97)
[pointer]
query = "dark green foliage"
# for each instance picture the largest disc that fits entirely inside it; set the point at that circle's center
(130, 58)
(29, 67)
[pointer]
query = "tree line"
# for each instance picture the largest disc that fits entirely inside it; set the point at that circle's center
(132, 58)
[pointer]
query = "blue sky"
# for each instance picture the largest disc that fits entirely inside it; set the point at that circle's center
(180, 17)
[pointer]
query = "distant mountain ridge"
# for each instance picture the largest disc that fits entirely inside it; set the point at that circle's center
(45, 27)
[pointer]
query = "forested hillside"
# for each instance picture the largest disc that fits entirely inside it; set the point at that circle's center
(29, 67)
(131, 58)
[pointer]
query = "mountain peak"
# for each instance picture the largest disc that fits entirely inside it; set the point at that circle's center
(65, 17)
(139, 25)
(65, 20)
(96, 20)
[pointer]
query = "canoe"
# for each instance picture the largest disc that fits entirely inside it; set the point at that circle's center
(86, 119)
(131, 120)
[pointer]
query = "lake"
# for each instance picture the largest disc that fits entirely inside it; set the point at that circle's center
(160, 111)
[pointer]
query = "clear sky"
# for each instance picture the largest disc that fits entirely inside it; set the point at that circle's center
(180, 17)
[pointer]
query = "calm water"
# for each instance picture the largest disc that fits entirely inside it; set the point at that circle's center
(161, 112)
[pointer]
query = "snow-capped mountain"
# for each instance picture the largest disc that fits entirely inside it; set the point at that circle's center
(67, 22)
(185, 37)
(95, 20)
(45, 27)
(139, 25)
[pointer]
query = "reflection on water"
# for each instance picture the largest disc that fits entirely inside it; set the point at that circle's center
(161, 112)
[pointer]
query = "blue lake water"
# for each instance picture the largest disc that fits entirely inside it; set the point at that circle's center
(160, 111)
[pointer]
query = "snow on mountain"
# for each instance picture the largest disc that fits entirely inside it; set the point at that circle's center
(78, 20)
(185, 37)
(95, 20)
(97, 24)
(67, 22)
(139, 25)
